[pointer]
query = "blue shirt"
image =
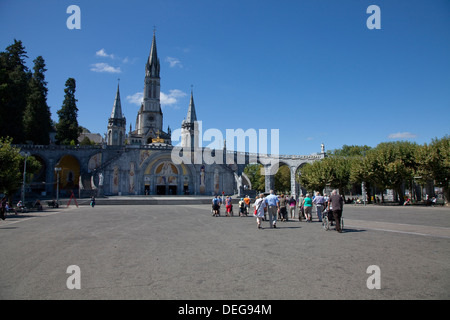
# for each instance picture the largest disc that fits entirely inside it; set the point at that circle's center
(272, 200)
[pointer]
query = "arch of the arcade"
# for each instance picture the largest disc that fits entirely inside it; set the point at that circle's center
(271, 167)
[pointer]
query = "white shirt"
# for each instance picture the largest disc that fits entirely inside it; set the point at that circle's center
(259, 205)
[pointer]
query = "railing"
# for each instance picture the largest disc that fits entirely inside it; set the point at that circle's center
(166, 147)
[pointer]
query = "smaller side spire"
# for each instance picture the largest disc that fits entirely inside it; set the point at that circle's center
(116, 123)
(191, 115)
(117, 108)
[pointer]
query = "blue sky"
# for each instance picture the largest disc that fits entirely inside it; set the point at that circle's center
(311, 69)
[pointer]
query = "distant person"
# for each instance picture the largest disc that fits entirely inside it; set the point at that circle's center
(433, 201)
(337, 205)
(292, 204)
(20, 206)
(307, 207)
(301, 212)
(247, 203)
(272, 203)
(260, 206)
(319, 201)
(229, 206)
(282, 204)
(216, 206)
(38, 205)
(3, 208)
(241, 207)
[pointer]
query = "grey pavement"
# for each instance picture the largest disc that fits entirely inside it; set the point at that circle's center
(182, 252)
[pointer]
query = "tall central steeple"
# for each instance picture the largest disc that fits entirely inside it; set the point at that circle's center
(149, 121)
(153, 66)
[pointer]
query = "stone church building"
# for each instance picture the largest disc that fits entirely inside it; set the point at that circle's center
(144, 164)
(141, 162)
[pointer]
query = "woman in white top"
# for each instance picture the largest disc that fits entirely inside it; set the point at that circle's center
(260, 206)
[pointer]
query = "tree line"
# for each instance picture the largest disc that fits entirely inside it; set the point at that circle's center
(25, 116)
(390, 165)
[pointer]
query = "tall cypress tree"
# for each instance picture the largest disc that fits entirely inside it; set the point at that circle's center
(37, 117)
(67, 129)
(14, 77)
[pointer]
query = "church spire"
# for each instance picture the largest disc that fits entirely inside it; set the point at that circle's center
(117, 108)
(191, 115)
(189, 127)
(152, 67)
(116, 123)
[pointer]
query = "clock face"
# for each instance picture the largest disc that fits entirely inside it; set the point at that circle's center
(151, 118)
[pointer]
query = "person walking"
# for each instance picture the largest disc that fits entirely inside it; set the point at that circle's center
(260, 206)
(282, 208)
(319, 201)
(242, 211)
(292, 204)
(300, 207)
(273, 204)
(247, 204)
(337, 205)
(307, 207)
(3, 208)
(229, 206)
(216, 206)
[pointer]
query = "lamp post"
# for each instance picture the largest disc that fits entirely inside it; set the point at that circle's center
(57, 170)
(363, 185)
(363, 188)
(26, 155)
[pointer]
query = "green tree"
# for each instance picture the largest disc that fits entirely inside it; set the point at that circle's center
(344, 175)
(12, 165)
(67, 128)
(350, 151)
(37, 117)
(337, 172)
(391, 164)
(434, 164)
(313, 176)
(361, 171)
(253, 171)
(10, 159)
(282, 179)
(87, 142)
(333, 171)
(14, 77)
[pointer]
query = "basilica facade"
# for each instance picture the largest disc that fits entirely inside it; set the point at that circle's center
(142, 162)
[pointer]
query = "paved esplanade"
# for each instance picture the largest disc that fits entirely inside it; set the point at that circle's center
(181, 252)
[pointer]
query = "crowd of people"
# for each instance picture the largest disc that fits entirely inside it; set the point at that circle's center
(273, 208)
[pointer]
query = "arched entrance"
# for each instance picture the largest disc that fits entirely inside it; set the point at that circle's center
(163, 177)
(69, 175)
(166, 179)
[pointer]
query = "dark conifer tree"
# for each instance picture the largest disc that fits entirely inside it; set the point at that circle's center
(14, 78)
(67, 129)
(37, 117)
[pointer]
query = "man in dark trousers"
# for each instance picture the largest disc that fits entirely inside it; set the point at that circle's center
(337, 204)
